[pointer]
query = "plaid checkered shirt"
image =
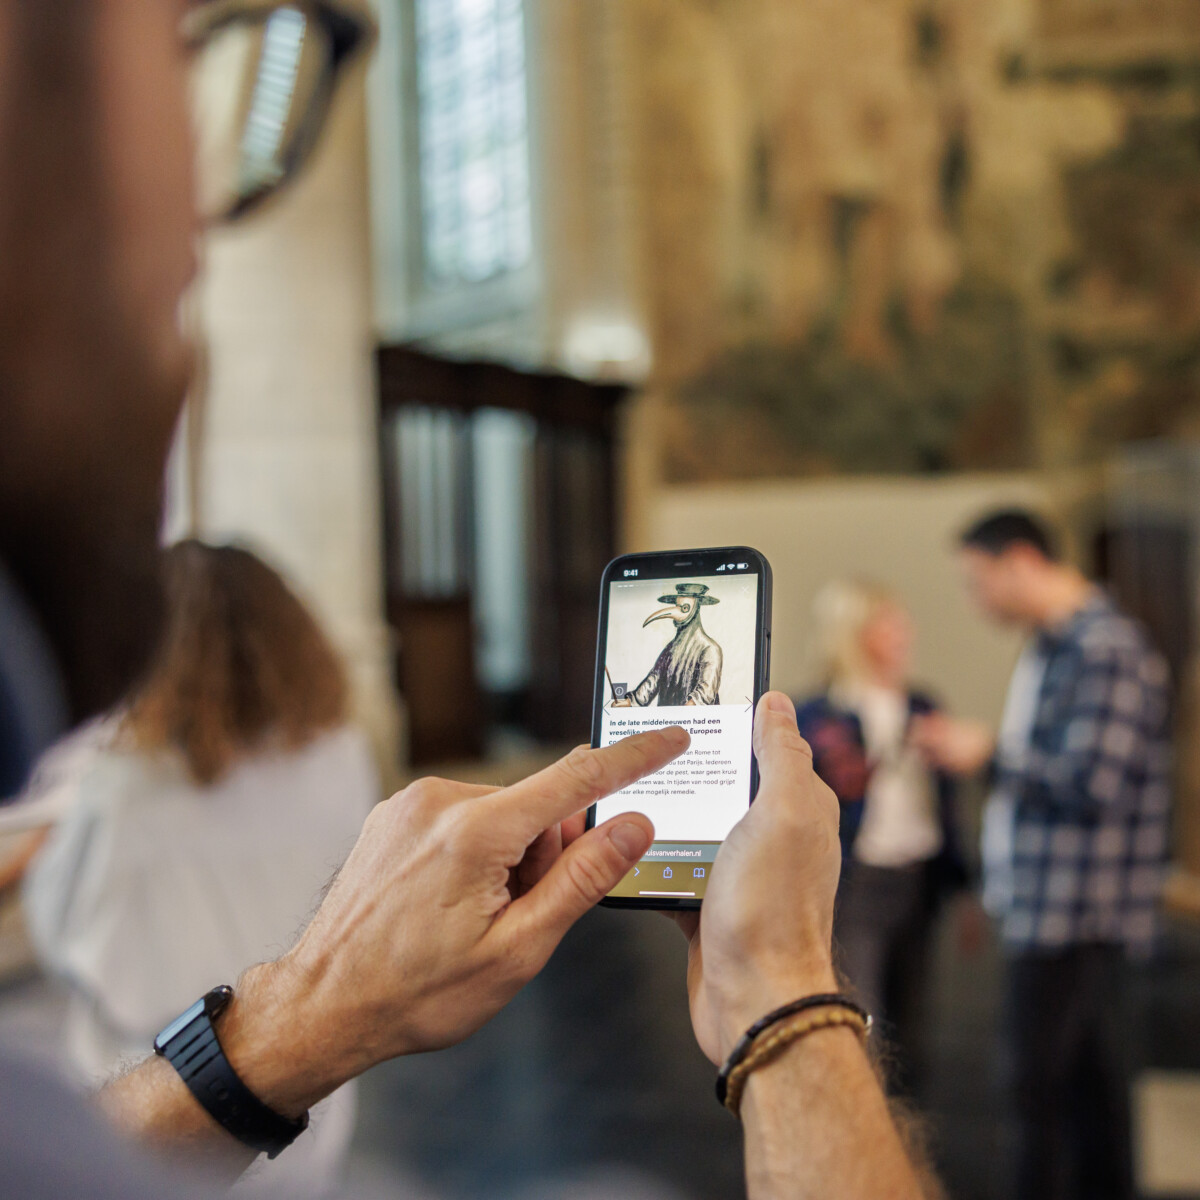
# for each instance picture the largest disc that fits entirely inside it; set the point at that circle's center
(1087, 802)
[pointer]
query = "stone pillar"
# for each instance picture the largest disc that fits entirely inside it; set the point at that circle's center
(288, 459)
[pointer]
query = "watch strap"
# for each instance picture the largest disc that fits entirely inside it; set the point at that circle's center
(194, 1050)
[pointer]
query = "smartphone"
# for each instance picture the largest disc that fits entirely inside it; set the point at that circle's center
(685, 639)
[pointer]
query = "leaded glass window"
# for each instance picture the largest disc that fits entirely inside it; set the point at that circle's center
(473, 138)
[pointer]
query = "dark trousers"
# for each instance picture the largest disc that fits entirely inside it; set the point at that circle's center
(882, 929)
(1067, 1034)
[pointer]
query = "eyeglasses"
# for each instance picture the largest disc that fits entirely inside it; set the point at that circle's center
(264, 73)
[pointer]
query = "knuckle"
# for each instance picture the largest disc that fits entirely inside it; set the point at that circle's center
(784, 749)
(584, 768)
(644, 752)
(384, 817)
(588, 875)
(424, 796)
(790, 739)
(827, 802)
(379, 814)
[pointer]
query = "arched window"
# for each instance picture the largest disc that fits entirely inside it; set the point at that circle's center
(473, 139)
(452, 167)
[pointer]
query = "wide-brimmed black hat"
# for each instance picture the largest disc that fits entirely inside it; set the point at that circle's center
(697, 591)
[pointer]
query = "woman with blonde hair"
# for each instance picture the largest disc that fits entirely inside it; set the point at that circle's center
(900, 843)
(203, 825)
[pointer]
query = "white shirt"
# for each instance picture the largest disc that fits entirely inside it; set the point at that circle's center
(900, 826)
(154, 889)
(1012, 748)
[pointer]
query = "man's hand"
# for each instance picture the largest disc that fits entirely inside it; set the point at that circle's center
(766, 933)
(955, 746)
(453, 899)
(816, 1120)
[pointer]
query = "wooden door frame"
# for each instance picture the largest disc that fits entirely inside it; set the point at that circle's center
(410, 377)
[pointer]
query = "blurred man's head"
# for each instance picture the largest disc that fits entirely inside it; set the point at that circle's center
(98, 227)
(1013, 569)
(96, 250)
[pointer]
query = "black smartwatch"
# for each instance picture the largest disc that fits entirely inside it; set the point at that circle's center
(190, 1045)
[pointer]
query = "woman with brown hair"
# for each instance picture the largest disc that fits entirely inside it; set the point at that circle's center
(205, 823)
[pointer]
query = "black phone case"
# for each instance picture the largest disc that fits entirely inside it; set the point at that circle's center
(701, 562)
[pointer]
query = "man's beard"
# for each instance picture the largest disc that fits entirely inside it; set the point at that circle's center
(92, 377)
(83, 543)
(81, 516)
(94, 581)
(81, 498)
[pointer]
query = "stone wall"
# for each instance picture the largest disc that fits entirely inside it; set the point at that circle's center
(905, 237)
(975, 217)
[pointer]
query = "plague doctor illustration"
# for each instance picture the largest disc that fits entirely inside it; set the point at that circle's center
(688, 671)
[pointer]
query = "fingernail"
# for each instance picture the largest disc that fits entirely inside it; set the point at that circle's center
(778, 702)
(676, 735)
(631, 840)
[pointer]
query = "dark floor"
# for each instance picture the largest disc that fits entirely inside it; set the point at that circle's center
(595, 1066)
(593, 1071)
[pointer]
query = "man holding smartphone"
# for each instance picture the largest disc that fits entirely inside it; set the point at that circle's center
(455, 895)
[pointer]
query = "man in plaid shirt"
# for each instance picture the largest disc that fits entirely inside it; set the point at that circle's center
(1075, 846)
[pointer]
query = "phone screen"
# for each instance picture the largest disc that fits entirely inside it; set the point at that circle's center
(682, 649)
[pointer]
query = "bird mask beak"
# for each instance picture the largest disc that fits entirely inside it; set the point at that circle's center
(672, 612)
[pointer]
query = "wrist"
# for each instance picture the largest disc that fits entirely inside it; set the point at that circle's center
(761, 991)
(824, 1053)
(275, 1039)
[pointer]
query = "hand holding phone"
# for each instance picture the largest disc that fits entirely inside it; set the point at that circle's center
(684, 640)
(766, 938)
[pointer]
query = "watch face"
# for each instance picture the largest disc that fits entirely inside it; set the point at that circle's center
(178, 1025)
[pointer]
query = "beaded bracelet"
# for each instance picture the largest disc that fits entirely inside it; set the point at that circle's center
(750, 1054)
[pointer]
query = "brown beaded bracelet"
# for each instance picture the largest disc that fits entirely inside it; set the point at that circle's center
(802, 1017)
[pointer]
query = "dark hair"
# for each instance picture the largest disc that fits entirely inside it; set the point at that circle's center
(243, 665)
(1000, 531)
